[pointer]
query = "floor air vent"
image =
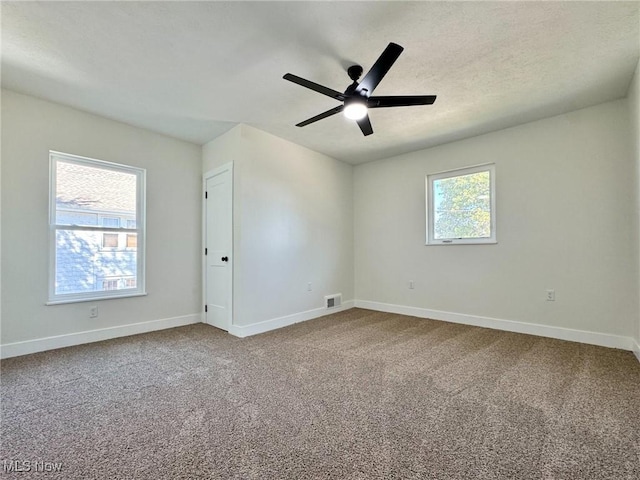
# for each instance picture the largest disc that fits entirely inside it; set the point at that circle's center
(333, 301)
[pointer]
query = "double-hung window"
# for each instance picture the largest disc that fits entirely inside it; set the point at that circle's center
(461, 206)
(96, 223)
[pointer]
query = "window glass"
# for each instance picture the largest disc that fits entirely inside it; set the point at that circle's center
(132, 241)
(461, 206)
(86, 196)
(110, 240)
(113, 222)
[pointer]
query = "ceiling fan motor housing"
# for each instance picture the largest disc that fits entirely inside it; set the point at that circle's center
(354, 72)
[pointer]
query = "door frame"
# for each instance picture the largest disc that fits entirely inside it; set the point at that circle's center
(207, 175)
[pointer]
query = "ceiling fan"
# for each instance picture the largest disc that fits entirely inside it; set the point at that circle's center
(357, 97)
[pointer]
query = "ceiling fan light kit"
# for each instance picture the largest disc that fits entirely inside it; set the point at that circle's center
(357, 99)
(355, 110)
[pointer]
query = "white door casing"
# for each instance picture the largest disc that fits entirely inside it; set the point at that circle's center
(218, 243)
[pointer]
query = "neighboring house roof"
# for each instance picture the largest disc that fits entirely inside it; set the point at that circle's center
(94, 189)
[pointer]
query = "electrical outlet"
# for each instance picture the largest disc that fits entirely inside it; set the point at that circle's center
(93, 312)
(309, 287)
(551, 295)
(411, 285)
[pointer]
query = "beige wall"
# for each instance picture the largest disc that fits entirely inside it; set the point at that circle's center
(565, 197)
(30, 128)
(293, 217)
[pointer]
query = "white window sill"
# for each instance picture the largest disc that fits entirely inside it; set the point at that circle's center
(95, 299)
(461, 242)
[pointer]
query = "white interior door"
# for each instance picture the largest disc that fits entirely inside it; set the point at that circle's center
(218, 243)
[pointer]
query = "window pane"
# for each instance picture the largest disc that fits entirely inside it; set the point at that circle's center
(83, 266)
(113, 222)
(132, 240)
(462, 206)
(110, 284)
(110, 240)
(84, 189)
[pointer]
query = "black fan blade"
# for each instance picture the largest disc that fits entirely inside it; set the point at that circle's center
(314, 86)
(326, 114)
(365, 125)
(400, 101)
(380, 68)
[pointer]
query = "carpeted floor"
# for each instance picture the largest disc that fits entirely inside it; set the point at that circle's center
(355, 395)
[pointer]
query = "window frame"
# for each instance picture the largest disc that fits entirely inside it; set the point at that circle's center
(140, 230)
(429, 205)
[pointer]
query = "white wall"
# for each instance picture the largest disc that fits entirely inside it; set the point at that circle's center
(30, 128)
(633, 98)
(224, 149)
(565, 194)
(293, 216)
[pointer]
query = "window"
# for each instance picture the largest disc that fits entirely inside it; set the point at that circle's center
(461, 206)
(110, 240)
(88, 199)
(110, 284)
(132, 240)
(113, 222)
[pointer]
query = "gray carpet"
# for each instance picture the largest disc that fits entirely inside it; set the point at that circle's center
(355, 395)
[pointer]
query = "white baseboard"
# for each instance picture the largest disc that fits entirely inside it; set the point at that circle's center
(636, 350)
(582, 336)
(49, 343)
(275, 323)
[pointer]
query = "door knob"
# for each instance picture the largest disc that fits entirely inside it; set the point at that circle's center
(225, 259)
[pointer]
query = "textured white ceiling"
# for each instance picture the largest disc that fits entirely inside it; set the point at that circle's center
(195, 69)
